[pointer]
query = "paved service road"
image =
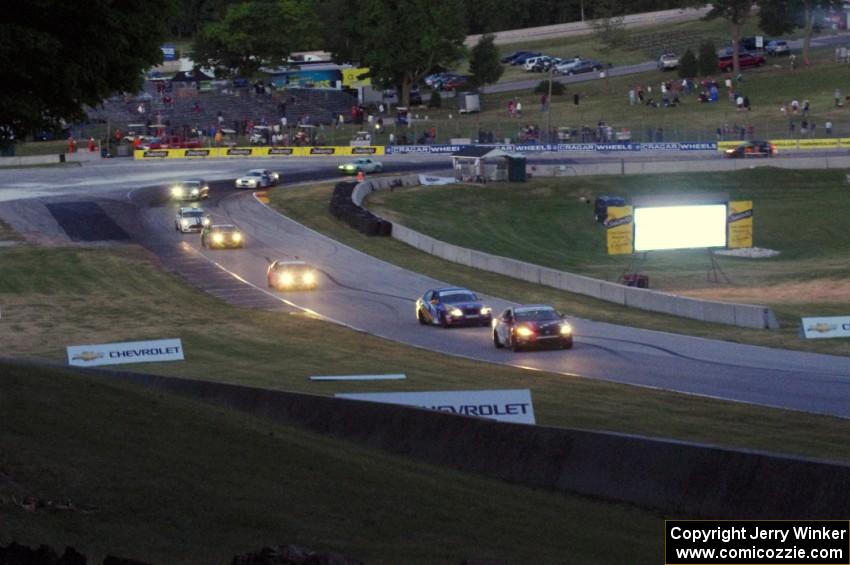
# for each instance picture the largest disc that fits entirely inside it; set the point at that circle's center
(373, 296)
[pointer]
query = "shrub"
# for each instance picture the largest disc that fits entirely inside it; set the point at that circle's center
(688, 66)
(558, 88)
(707, 58)
(436, 101)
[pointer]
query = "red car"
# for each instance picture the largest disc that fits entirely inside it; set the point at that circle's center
(456, 82)
(745, 60)
(173, 142)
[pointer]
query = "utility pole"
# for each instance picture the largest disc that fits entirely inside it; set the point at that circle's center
(549, 104)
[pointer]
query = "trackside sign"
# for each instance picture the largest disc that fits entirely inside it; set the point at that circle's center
(512, 405)
(126, 352)
(820, 328)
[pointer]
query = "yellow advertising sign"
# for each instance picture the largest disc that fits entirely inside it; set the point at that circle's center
(354, 78)
(828, 143)
(740, 224)
(620, 226)
(231, 152)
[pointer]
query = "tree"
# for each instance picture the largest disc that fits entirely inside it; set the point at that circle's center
(436, 101)
(707, 61)
(609, 30)
(688, 66)
(59, 57)
(777, 17)
(736, 12)
(484, 63)
(256, 33)
(557, 88)
(400, 41)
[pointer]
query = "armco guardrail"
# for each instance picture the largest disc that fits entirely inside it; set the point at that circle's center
(684, 478)
(743, 315)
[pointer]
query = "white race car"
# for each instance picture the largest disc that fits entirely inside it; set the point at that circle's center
(191, 219)
(257, 178)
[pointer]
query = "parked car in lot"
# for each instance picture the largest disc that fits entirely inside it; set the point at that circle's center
(778, 47)
(752, 149)
(531, 61)
(584, 66)
(191, 219)
(567, 64)
(448, 307)
(522, 58)
(668, 61)
(745, 60)
(534, 325)
(455, 83)
(291, 275)
(545, 63)
(508, 59)
(190, 189)
(221, 235)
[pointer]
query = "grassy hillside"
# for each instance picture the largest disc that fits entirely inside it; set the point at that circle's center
(171, 481)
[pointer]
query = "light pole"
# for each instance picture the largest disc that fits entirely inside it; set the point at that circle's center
(549, 104)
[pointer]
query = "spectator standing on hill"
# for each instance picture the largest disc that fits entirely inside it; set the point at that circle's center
(806, 108)
(543, 100)
(747, 103)
(518, 108)
(632, 97)
(837, 96)
(739, 102)
(795, 107)
(511, 108)
(828, 126)
(576, 98)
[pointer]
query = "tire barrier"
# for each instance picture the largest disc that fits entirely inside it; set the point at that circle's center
(343, 207)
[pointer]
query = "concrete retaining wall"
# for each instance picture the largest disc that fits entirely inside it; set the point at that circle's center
(743, 315)
(77, 157)
(678, 478)
(624, 167)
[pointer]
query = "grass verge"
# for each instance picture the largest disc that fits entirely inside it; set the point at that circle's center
(56, 297)
(168, 480)
(309, 205)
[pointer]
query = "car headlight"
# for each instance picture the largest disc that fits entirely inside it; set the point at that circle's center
(206, 221)
(275, 176)
(309, 278)
(194, 191)
(184, 222)
(177, 191)
(237, 236)
(456, 312)
(524, 331)
(218, 238)
(349, 167)
(286, 279)
(566, 329)
(485, 310)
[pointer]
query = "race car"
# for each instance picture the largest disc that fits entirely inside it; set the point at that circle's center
(448, 307)
(190, 219)
(258, 178)
(363, 164)
(221, 235)
(191, 189)
(533, 325)
(291, 275)
(749, 149)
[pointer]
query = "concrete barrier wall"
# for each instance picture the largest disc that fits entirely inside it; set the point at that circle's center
(25, 160)
(680, 478)
(743, 315)
(708, 165)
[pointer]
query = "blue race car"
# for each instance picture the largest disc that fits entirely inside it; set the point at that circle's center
(448, 307)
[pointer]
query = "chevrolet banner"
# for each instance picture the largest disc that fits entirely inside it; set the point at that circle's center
(126, 352)
(821, 328)
(620, 227)
(740, 224)
(512, 405)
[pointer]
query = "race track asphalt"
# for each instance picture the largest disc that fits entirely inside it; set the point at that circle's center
(373, 296)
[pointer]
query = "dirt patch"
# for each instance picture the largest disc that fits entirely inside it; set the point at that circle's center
(813, 291)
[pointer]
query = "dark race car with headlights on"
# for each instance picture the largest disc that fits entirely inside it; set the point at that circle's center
(221, 236)
(534, 325)
(192, 189)
(292, 275)
(448, 307)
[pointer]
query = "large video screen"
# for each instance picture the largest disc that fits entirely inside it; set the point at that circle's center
(680, 227)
